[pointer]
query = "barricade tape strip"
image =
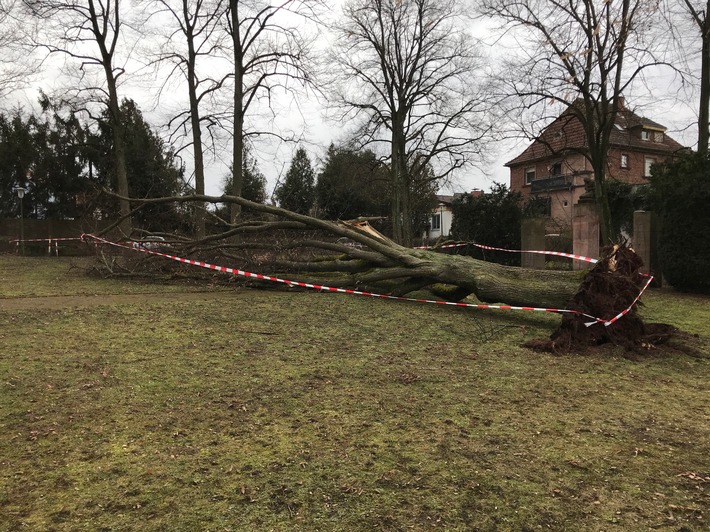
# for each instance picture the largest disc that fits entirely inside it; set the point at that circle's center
(626, 311)
(539, 252)
(18, 241)
(460, 244)
(262, 277)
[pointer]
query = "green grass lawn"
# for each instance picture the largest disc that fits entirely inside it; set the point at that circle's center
(264, 410)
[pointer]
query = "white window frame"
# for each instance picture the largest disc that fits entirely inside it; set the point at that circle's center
(436, 221)
(645, 134)
(528, 171)
(647, 163)
(624, 160)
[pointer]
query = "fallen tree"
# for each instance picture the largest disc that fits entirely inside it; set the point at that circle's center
(374, 262)
(348, 255)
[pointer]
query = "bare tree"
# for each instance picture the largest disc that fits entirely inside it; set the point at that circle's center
(269, 53)
(582, 56)
(16, 63)
(89, 33)
(408, 71)
(192, 44)
(701, 18)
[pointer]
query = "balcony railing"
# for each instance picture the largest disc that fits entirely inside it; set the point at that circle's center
(547, 184)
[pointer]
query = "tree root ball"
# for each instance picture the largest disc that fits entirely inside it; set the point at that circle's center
(608, 289)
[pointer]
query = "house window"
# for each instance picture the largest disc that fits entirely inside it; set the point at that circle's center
(556, 168)
(539, 206)
(529, 175)
(658, 136)
(645, 134)
(648, 161)
(436, 222)
(624, 160)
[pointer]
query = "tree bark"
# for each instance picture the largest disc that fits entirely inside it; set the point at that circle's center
(195, 124)
(704, 110)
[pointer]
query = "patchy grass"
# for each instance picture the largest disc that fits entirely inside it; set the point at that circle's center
(67, 276)
(263, 410)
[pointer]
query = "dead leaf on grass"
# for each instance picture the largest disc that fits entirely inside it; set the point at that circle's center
(692, 475)
(408, 377)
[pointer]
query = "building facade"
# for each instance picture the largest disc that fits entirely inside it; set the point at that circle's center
(554, 169)
(441, 217)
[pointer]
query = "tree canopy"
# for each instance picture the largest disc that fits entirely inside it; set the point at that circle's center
(151, 167)
(491, 219)
(577, 60)
(297, 192)
(63, 164)
(680, 194)
(406, 72)
(352, 184)
(46, 156)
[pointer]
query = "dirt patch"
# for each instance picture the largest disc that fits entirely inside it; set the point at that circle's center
(83, 301)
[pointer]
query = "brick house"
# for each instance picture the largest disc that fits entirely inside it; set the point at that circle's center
(553, 166)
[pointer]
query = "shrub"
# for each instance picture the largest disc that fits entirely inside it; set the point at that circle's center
(680, 194)
(491, 219)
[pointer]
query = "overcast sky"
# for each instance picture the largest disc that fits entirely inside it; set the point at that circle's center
(306, 117)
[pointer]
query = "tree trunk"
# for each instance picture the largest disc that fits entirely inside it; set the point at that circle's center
(704, 110)
(119, 154)
(401, 231)
(377, 263)
(602, 200)
(238, 104)
(495, 283)
(196, 134)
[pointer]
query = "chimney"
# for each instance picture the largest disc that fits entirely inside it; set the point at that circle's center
(476, 193)
(620, 103)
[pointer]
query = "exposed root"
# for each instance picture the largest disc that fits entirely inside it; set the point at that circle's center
(608, 289)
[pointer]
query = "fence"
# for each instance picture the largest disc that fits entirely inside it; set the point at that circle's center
(43, 229)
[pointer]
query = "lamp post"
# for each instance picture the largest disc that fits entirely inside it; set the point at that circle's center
(21, 194)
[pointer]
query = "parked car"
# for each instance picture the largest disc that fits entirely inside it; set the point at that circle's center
(151, 242)
(348, 242)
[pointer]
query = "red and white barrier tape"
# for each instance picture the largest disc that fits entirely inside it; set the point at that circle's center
(288, 282)
(50, 241)
(626, 311)
(556, 253)
(481, 246)
(460, 244)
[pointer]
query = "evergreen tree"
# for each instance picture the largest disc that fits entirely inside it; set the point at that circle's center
(352, 184)
(297, 192)
(17, 155)
(152, 168)
(422, 195)
(45, 157)
(254, 182)
(680, 193)
(491, 219)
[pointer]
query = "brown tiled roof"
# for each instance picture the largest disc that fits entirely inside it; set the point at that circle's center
(566, 134)
(443, 198)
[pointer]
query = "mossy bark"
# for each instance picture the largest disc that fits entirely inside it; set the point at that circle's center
(495, 283)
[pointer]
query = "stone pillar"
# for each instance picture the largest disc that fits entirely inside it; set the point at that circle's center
(585, 232)
(532, 236)
(645, 244)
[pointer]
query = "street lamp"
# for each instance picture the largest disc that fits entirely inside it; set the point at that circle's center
(21, 194)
